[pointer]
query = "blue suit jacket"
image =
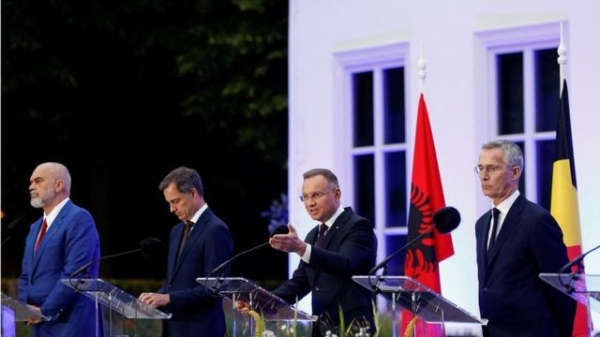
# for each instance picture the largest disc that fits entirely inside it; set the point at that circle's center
(348, 249)
(511, 294)
(196, 311)
(71, 242)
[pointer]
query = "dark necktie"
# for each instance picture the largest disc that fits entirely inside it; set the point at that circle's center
(322, 230)
(186, 234)
(42, 233)
(495, 216)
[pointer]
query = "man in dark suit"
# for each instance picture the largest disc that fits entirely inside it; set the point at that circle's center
(512, 251)
(197, 245)
(346, 247)
(57, 245)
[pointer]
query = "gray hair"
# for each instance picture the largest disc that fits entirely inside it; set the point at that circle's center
(513, 156)
(59, 172)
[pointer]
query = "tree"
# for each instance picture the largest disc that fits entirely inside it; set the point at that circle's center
(123, 92)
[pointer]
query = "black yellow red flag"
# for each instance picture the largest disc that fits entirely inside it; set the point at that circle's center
(564, 204)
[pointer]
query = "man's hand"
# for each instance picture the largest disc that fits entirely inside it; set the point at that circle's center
(289, 242)
(155, 300)
(34, 320)
(243, 307)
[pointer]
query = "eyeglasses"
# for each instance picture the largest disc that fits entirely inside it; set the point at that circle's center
(315, 196)
(489, 169)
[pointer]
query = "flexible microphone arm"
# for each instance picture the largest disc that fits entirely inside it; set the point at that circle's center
(445, 220)
(278, 230)
(85, 266)
(387, 259)
(150, 247)
(9, 228)
(574, 275)
(219, 267)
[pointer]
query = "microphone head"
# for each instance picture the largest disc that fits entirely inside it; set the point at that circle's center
(152, 248)
(279, 230)
(446, 219)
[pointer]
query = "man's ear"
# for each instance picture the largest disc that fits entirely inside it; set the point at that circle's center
(59, 185)
(515, 172)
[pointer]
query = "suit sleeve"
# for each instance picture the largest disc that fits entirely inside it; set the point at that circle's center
(551, 254)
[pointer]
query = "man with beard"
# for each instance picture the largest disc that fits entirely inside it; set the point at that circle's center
(58, 244)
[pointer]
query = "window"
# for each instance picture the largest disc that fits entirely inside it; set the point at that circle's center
(376, 110)
(524, 99)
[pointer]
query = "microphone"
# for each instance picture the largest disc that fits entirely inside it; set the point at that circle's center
(214, 288)
(574, 275)
(9, 229)
(445, 220)
(576, 261)
(279, 230)
(150, 248)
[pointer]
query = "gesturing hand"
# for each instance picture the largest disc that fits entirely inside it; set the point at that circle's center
(289, 242)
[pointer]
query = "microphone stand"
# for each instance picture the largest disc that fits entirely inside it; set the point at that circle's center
(9, 230)
(573, 276)
(383, 264)
(213, 290)
(218, 280)
(85, 266)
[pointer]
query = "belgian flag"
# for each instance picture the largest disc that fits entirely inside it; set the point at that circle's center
(564, 204)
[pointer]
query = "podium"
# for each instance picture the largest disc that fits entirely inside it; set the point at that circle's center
(404, 292)
(583, 288)
(15, 311)
(275, 313)
(117, 301)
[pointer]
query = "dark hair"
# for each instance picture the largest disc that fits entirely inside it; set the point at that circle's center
(184, 179)
(329, 176)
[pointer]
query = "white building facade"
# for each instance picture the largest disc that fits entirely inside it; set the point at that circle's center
(491, 72)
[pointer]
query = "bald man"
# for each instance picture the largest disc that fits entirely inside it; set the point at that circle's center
(58, 243)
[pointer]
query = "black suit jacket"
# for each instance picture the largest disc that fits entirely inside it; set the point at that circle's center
(511, 295)
(196, 311)
(349, 248)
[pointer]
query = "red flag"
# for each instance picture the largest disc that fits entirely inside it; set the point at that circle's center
(427, 196)
(564, 204)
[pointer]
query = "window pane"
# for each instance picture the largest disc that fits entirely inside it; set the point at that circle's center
(547, 87)
(396, 265)
(362, 87)
(395, 189)
(510, 93)
(364, 186)
(545, 162)
(393, 110)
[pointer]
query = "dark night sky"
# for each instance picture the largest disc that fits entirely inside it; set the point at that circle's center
(101, 92)
(121, 191)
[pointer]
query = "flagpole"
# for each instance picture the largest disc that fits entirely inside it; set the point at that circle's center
(583, 313)
(562, 59)
(422, 66)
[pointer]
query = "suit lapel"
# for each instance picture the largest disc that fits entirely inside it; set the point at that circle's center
(50, 234)
(197, 232)
(335, 228)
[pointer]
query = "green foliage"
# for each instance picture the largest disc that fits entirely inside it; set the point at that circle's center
(122, 92)
(227, 59)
